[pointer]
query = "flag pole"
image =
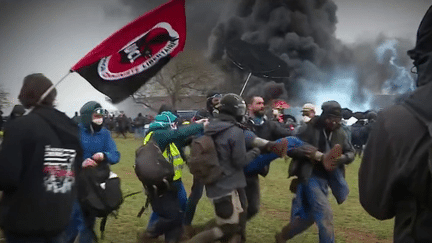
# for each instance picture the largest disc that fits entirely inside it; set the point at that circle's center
(246, 82)
(44, 95)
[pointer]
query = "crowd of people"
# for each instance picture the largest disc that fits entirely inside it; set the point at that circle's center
(44, 153)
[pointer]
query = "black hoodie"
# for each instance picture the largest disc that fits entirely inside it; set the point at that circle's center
(395, 174)
(40, 157)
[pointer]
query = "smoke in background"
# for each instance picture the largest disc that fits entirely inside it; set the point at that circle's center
(302, 33)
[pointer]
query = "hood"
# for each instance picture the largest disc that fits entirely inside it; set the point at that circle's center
(63, 126)
(422, 52)
(164, 120)
(219, 124)
(86, 112)
(17, 111)
(419, 102)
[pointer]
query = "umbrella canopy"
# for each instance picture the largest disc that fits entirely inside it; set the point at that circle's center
(256, 59)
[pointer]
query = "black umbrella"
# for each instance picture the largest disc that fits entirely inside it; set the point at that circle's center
(359, 115)
(346, 113)
(257, 60)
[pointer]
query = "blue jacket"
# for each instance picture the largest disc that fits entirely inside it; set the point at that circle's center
(98, 142)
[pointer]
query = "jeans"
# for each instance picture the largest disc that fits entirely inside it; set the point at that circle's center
(79, 224)
(311, 205)
(263, 160)
(181, 198)
(253, 195)
(168, 219)
(11, 238)
(192, 202)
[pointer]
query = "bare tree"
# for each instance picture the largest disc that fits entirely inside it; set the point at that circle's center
(4, 102)
(178, 80)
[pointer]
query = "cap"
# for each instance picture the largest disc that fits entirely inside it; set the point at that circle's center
(331, 108)
(308, 107)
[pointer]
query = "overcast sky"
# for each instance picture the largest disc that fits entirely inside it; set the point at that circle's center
(50, 36)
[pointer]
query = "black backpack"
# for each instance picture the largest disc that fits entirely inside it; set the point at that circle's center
(99, 192)
(152, 169)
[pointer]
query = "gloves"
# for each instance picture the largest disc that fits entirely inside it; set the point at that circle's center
(98, 157)
(94, 160)
(89, 163)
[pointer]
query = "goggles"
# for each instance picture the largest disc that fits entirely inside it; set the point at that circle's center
(215, 98)
(100, 111)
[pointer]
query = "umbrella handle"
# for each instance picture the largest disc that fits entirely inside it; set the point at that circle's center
(246, 82)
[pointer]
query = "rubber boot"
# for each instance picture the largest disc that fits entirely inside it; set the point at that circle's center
(330, 158)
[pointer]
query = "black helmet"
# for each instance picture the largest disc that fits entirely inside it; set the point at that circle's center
(233, 105)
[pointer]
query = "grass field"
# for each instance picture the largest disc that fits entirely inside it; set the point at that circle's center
(352, 223)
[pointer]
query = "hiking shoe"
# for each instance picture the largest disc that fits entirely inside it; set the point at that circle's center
(330, 158)
(279, 147)
(146, 237)
(279, 238)
(188, 232)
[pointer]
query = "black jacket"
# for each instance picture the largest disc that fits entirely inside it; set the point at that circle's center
(312, 133)
(395, 177)
(40, 157)
(395, 162)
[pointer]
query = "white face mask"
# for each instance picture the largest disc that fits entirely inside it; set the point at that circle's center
(97, 121)
(306, 118)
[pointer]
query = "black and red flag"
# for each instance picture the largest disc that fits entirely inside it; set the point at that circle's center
(127, 59)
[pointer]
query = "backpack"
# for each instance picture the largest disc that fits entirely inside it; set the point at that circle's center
(152, 169)
(203, 161)
(99, 192)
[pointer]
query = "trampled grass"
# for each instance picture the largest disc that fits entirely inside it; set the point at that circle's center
(352, 223)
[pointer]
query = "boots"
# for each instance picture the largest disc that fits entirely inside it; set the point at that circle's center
(188, 231)
(207, 236)
(330, 158)
(279, 147)
(281, 237)
(146, 237)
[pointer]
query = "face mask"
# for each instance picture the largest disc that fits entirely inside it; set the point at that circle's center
(97, 121)
(306, 118)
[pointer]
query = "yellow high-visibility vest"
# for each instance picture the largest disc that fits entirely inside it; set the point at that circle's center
(171, 154)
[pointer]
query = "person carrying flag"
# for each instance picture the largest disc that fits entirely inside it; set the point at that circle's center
(39, 162)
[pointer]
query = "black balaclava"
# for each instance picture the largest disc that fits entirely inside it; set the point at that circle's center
(420, 101)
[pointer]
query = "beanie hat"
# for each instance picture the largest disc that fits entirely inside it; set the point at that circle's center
(34, 86)
(163, 121)
(331, 108)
